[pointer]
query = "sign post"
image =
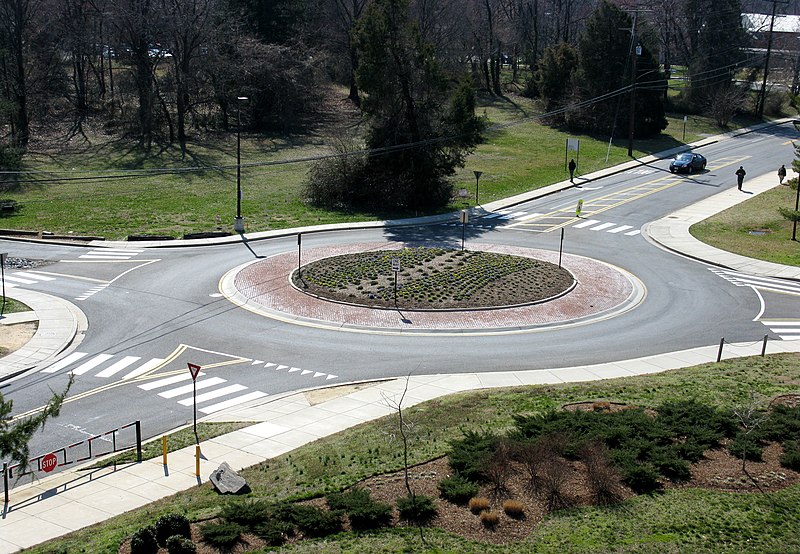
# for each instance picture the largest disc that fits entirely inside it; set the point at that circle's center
(684, 127)
(464, 219)
(194, 369)
(477, 179)
(396, 269)
(3, 279)
(299, 242)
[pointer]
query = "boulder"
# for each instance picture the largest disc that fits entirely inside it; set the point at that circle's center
(227, 481)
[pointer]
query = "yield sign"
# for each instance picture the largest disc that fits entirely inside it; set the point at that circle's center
(194, 369)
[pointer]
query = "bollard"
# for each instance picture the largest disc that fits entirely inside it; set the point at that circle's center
(719, 354)
(764, 348)
(197, 460)
(138, 441)
(164, 447)
(5, 480)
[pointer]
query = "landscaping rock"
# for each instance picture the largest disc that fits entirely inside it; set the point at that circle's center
(227, 481)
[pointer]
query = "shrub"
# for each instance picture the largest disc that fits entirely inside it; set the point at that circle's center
(144, 541)
(178, 544)
(696, 423)
(669, 464)
(479, 504)
(468, 455)
(248, 514)
(555, 474)
(489, 519)
(316, 522)
(783, 421)
(222, 535)
(514, 508)
(641, 477)
(361, 509)
(456, 489)
(273, 531)
(169, 525)
(416, 508)
(791, 455)
(748, 447)
(602, 478)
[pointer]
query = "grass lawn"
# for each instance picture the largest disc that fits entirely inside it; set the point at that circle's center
(678, 520)
(731, 230)
(14, 306)
(113, 190)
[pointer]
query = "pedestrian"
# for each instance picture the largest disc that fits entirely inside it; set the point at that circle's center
(781, 174)
(740, 173)
(572, 165)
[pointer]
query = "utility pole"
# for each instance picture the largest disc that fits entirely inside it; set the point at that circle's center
(632, 114)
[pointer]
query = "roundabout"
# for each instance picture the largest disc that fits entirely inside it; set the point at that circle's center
(597, 291)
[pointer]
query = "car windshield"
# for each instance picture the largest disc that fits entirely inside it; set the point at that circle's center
(684, 158)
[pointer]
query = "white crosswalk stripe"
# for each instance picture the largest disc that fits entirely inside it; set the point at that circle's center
(61, 364)
(167, 381)
(205, 397)
(785, 329)
(91, 364)
(772, 284)
(118, 366)
(602, 226)
(620, 229)
(587, 223)
(34, 276)
(187, 389)
(110, 254)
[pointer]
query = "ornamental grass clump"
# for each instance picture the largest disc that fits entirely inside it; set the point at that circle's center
(489, 519)
(514, 509)
(479, 504)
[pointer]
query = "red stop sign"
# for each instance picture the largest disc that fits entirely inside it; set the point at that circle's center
(49, 463)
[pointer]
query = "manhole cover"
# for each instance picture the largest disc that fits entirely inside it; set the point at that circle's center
(759, 232)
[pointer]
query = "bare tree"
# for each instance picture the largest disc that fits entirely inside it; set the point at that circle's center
(750, 417)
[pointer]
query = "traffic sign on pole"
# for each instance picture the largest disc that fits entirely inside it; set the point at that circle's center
(194, 369)
(49, 462)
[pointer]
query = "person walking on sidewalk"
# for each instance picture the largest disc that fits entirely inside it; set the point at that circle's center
(781, 174)
(572, 165)
(740, 173)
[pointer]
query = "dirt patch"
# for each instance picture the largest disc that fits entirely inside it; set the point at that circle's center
(13, 337)
(319, 396)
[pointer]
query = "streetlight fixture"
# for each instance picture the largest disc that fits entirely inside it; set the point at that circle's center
(238, 223)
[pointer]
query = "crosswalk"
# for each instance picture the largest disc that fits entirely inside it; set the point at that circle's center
(17, 278)
(218, 393)
(785, 328)
(511, 219)
(110, 254)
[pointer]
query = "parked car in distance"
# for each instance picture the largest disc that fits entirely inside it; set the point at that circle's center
(688, 162)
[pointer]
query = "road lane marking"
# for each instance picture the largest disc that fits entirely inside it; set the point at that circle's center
(205, 397)
(119, 366)
(203, 384)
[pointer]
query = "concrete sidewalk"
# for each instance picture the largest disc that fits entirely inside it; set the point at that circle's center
(56, 505)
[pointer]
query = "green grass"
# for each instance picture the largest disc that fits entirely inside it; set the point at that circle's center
(522, 156)
(14, 306)
(175, 441)
(686, 520)
(730, 230)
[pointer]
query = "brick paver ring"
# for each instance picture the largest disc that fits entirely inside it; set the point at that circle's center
(602, 291)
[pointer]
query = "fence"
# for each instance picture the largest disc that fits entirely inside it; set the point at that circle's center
(69, 455)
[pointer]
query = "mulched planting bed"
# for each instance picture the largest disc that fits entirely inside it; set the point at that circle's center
(433, 279)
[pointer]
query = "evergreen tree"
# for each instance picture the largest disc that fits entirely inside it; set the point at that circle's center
(604, 66)
(716, 42)
(15, 435)
(554, 75)
(407, 101)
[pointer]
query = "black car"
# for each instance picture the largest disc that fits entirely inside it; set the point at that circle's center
(687, 162)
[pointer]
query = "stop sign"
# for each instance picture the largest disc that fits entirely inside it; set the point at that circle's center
(49, 463)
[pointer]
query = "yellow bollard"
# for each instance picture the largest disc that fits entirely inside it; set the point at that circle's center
(164, 447)
(197, 460)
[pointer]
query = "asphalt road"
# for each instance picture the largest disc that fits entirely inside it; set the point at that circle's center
(165, 304)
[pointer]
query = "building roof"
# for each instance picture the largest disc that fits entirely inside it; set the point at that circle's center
(759, 23)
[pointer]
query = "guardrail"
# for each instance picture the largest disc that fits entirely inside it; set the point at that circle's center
(66, 456)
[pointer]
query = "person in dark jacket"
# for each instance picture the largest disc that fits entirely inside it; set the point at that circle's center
(740, 173)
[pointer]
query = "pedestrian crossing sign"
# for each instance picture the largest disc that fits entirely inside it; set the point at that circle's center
(579, 208)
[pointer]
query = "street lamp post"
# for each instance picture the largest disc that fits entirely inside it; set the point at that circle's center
(238, 223)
